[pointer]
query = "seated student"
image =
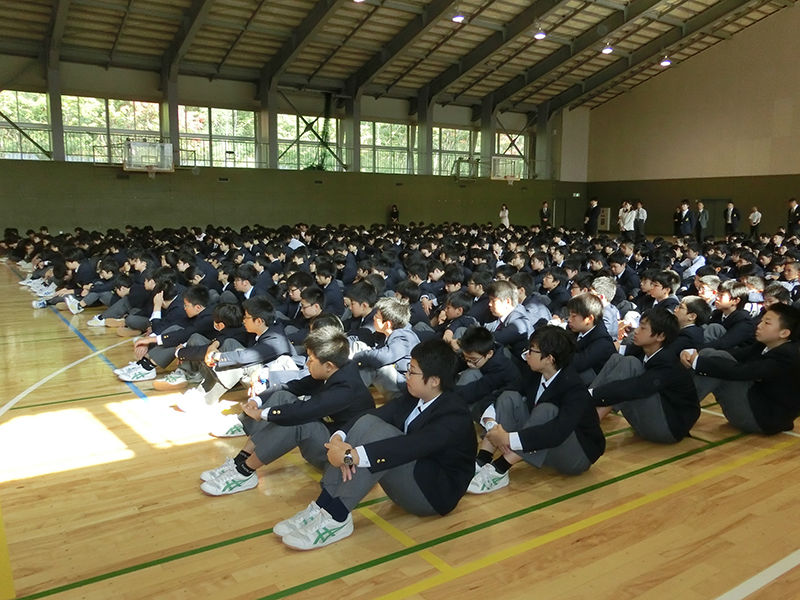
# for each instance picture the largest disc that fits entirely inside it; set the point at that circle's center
(244, 281)
(121, 288)
(692, 313)
(627, 278)
(386, 366)
(158, 349)
(101, 290)
(555, 289)
(594, 345)
(408, 291)
(276, 421)
(775, 293)
(312, 299)
(360, 298)
(451, 322)
(420, 448)
(289, 311)
(551, 423)
(325, 276)
(226, 323)
(536, 304)
(663, 285)
(756, 386)
(490, 370)
(730, 326)
(228, 362)
(477, 286)
(605, 288)
(513, 326)
(265, 284)
(167, 309)
(657, 398)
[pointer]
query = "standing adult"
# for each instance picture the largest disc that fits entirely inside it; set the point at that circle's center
(686, 224)
(731, 217)
(394, 215)
(504, 216)
(625, 218)
(793, 219)
(639, 221)
(591, 218)
(544, 215)
(754, 218)
(701, 221)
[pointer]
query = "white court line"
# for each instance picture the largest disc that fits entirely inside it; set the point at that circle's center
(762, 579)
(41, 382)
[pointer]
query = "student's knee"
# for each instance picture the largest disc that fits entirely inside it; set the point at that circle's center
(370, 428)
(230, 344)
(542, 413)
(506, 401)
(197, 339)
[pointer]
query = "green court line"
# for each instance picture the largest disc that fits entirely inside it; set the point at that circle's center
(389, 557)
(709, 405)
(507, 517)
(699, 439)
(68, 401)
(616, 431)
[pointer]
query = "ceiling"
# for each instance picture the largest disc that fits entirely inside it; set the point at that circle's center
(407, 49)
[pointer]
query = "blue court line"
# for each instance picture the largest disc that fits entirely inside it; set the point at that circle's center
(83, 338)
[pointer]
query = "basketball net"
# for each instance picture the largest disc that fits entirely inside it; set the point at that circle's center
(151, 171)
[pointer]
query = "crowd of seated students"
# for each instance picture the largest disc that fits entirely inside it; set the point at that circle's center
(528, 337)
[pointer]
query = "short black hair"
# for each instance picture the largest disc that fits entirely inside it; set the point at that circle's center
(586, 305)
(556, 342)
(362, 292)
(788, 317)
(197, 294)
(229, 314)
(460, 299)
(698, 307)
(436, 358)
(259, 307)
(313, 295)
(477, 339)
(662, 321)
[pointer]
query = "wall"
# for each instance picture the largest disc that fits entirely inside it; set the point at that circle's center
(732, 110)
(63, 195)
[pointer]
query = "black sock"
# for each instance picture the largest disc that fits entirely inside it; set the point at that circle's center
(241, 457)
(243, 469)
(501, 465)
(484, 456)
(333, 506)
(146, 364)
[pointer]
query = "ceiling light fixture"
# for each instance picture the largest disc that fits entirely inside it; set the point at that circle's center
(358, 1)
(540, 34)
(607, 49)
(665, 62)
(458, 17)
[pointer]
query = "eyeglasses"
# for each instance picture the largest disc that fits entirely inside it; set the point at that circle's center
(415, 373)
(473, 362)
(525, 354)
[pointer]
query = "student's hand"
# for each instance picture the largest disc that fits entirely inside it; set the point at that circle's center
(158, 301)
(252, 410)
(427, 305)
(140, 351)
(212, 348)
(441, 318)
(499, 438)
(687, 357)
(336, 449)
(145, 341)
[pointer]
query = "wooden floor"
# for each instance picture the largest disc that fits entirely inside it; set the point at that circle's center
(100, 499)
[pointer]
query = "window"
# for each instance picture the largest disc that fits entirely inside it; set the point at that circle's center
(385, 148)
(299, 145)
(450, 144)
(96, 129)
(29, 111)
(217, 137)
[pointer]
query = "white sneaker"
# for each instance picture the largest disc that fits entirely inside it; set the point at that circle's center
(128, 367)
(47, 290)
(39, 303)
(73, 305)
(96, 321)
(321, 530)
(26, 281)
(228, 426)
(171, 381)
(230, 481)
(214, 473)
(289, 525)
(193, 400)
(487, 480)
(138, 374)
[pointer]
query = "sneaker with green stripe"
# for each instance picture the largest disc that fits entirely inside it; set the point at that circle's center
(230, 482)
(320, 531)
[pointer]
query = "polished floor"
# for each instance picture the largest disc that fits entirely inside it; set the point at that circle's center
(100, 499)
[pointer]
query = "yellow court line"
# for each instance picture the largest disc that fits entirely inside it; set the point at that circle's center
(404, 539)
(6, 578)
(562, 532)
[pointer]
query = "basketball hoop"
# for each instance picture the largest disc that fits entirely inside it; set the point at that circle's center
(151, 171)
(510, 179)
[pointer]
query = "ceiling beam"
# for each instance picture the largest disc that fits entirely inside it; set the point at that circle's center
(119, 30)
(399, 44)
(191, 23)
(650, 51)
(516, 27)
(56, 33)
(603, 30)
(301, 36)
